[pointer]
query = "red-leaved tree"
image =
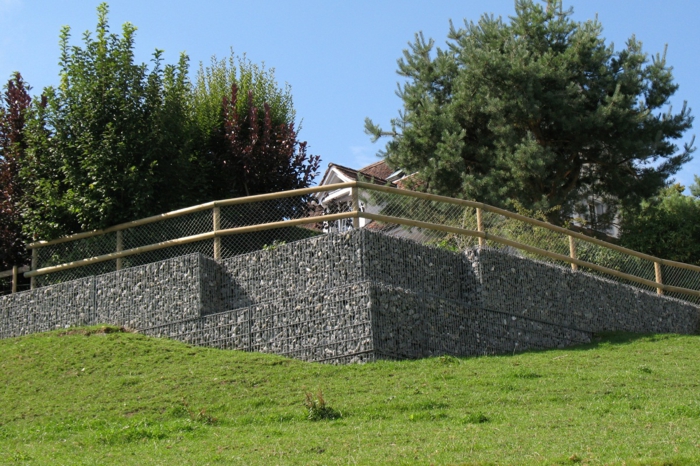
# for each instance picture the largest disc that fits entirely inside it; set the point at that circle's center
(263, 157)
(14, 104)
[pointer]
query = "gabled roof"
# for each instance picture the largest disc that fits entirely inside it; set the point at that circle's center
(370, 172)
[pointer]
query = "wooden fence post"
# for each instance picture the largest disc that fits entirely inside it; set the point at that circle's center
(572, 252)
(35, 262)
(480, 226)
(217, 227)
(657, 272)
(120, 248)
(355, 207)
(14, 279)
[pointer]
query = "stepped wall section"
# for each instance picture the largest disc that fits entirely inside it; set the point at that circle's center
(353, 297)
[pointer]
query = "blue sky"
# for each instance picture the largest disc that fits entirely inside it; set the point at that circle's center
(338, 56)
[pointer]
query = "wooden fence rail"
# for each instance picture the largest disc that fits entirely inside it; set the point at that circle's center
(14, 273)
(356, 214)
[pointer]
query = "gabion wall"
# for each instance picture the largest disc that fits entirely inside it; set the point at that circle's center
(353, 297)
(538, 290)
(415, 325)
(138, 297)
(329, 325)
(48, 308)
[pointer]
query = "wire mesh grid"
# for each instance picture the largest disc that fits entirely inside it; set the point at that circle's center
(616, 260)
(330, 207)
(423, 210)
(61, 276)
(267, 211)
(526, 233)
(168, 229)
(684, 278)
(243, 243)
(76, 250)
(495, 224)
(370, 201)
(143, 235)
(205, 247)
(232, 216)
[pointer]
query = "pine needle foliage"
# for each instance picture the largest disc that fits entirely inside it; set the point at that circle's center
(537, 109)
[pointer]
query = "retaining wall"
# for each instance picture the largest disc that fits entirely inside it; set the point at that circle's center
(353, 297)
(543, 291)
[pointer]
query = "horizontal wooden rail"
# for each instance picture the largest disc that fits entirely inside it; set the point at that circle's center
(525, 247)
(522, 218)
(369, 186)
(8, 273)
(356, 214)
(193, 209)
(189, 239)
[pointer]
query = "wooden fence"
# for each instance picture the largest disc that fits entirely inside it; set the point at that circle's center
(356, 213)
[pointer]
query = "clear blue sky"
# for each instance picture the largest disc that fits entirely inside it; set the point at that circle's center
(338, 56)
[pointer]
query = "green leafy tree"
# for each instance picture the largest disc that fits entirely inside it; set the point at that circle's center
(247, 142)
(666, 226)
(109, 144)
(537, 110)
(14, 106)
(116, 141)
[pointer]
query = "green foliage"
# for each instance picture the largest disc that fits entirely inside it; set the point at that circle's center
(695, 187)
(14, 107)
(275, 244)
(667, 226)
(537, 109)
(246, 141)
(116, 141)
(214, 82)
(100, 395)
(108, 144)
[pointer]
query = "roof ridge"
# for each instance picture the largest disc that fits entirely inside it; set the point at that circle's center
(342, 166)
(373, 164)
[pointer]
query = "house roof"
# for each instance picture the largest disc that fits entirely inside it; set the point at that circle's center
(372, 172)
(377, 170)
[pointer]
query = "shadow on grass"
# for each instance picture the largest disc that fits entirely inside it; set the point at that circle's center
(599, 340)
(607, 339)
(621, 338)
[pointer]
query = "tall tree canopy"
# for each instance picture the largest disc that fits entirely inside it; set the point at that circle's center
(116, 141)
(246, 140)
(14, 106)
(539, 110)
(104, 146)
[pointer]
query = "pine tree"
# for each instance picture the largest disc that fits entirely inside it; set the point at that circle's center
(537, 110)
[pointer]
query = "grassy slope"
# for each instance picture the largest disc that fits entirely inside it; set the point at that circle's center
(91, 397)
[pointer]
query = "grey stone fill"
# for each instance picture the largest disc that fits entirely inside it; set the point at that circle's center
(556, 294)
(354, 297)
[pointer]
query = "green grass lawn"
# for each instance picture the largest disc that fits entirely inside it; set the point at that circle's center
(87, 396)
